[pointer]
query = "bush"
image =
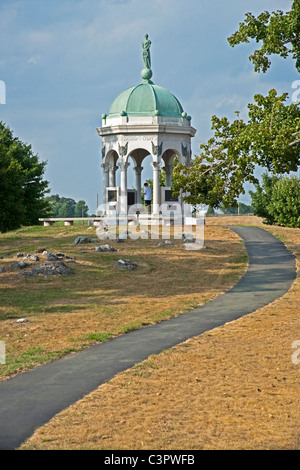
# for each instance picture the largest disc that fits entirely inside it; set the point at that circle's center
(278, 200)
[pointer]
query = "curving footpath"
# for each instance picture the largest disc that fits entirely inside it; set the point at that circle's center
(31, 399)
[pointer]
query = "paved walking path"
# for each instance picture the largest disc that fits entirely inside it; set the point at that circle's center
(29, 400)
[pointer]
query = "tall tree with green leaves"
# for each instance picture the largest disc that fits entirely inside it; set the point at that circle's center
(276, 32)
(22, 184)
(228, 159)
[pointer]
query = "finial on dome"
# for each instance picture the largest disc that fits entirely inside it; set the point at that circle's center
(146, 72)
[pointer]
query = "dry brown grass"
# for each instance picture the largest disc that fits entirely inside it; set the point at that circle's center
(99, 299)
(234, 387)
(235, 220)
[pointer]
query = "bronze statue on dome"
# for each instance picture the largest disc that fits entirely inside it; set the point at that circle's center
(146, 52)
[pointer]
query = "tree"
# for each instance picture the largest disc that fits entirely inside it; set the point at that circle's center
(66, 207)
(228, 159)
(240, 209)
(81, 209)
(278, 33)
(65, 210)
(277, 200)
(22, 188)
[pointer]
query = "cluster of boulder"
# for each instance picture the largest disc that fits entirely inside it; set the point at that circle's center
(47, 263)
(51, 264)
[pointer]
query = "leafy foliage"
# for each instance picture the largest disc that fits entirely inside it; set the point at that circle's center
(228, 159)
(278, 32)
(241, 209)
(66, 207)
(22, 188)
(278, 200)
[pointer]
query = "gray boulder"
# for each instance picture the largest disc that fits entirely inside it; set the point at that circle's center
(104, 248)
(48, 269)
(126, 264)
(81, 239)
(20, 265)
(51, 257)
(34, 258)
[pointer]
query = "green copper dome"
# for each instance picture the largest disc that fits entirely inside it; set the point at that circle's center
(146, 99)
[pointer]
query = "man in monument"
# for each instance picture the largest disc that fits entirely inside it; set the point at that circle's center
(147, 197)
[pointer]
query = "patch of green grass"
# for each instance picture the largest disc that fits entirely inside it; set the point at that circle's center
(20, 362)
(132, 326)
(162, 315)
(33, 301)
(280, 237)
(144, 369)
(94, 336)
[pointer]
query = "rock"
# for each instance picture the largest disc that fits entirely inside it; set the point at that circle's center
(51, 257)
(81, 239)
(59, 254)
(160, 244)
(45, 252)
(20, 265)
(20, 255)
(188, 236)
(126, 264)
(104, 248)
(189, 240)
(48, 269)
(94, 240)
(22, 320)
(2, 270)
(41, 250)
(34, 258)
(168, 242)
(119, 240)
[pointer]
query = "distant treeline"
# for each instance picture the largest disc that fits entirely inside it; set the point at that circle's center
(67, 207)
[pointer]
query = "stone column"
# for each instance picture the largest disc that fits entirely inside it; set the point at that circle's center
(156, 188)
(168, 170)
(105, 180)
(138, 183)
(123, 194)
(112, 174)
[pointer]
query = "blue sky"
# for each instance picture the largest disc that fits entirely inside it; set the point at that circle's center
(64, 62)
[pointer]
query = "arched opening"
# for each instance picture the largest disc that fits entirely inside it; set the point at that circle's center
(168, 158)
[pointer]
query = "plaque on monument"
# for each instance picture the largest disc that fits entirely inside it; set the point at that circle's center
(131, 197)
(112, 195)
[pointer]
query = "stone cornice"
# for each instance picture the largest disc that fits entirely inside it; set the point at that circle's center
(144, 129)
